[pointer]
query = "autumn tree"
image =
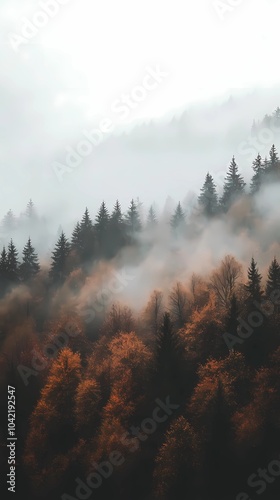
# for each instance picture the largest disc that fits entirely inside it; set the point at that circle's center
(51, 434)
(176, 463)
(224, 279)
(178, 304)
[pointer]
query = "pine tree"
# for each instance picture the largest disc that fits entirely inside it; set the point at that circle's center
(102, 218)
(30, 210)
(233, 187)
(116, 216)
(76, 238)
(166, 346)
(101, 228)
(132, 219)
(87, 236)
(273, 160)
(178, 218)
(257, 178)
(60, 256)
(232, 317)
(253, 285)
(3, 270)
(9, 222)
(30, 265)
(208, 199)
(151, 219)
(12, 263)
(116, 231)
(273, 279)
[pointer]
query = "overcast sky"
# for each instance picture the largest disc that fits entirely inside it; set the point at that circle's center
(88, 55)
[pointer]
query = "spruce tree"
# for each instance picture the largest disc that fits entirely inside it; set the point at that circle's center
(253, 285)
(273, 279)
(101, 228)
(87, 235)
(116, 216)
(30, 265)
(166, 347)
(178, 218)
(232, 317)
(151, 219)
(257, 178)
(233, 187)
(30, 210)
(116, 231)
(9, 222)
(76, 238)
(273, 160)
(59, 265)
(132, 220)
(208, 199)
(3, 270)
(12, 263)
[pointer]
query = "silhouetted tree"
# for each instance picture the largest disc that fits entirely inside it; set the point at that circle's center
(257, 178)
(59, 265)
(178, 219)
(30, 264)
(151, 219)
(233, 187)
(208, 199)
(9, 222)
(132, 219)
(12, 264)
(253, 285)
(273, 279)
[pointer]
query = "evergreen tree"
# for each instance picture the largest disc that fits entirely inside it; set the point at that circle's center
(178, 218)
(101, 228)
(232, 316)
(273, 160)
(12, 263)
(30, 210)
(166, 341)
(59, 265)
(253, 285)
(87, 236)
(273, 280)
(9, 222)
(116, 231)
(102, 219)
(116, 215)
(76, 243)
(233, 187)
(132, 219)
(151, 219)
(3, 270)
(208, 199)
(30, 265)
(258, 174)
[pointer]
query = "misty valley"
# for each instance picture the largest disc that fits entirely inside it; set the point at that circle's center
(141, 349)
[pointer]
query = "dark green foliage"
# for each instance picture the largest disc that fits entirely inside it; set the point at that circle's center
(208, 199)
(30, 264)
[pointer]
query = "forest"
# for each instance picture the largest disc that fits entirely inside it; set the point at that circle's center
(175, 398)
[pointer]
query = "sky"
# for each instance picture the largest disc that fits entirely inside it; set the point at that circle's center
(66, 66)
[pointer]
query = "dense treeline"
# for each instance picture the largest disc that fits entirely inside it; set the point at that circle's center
(181, 400)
